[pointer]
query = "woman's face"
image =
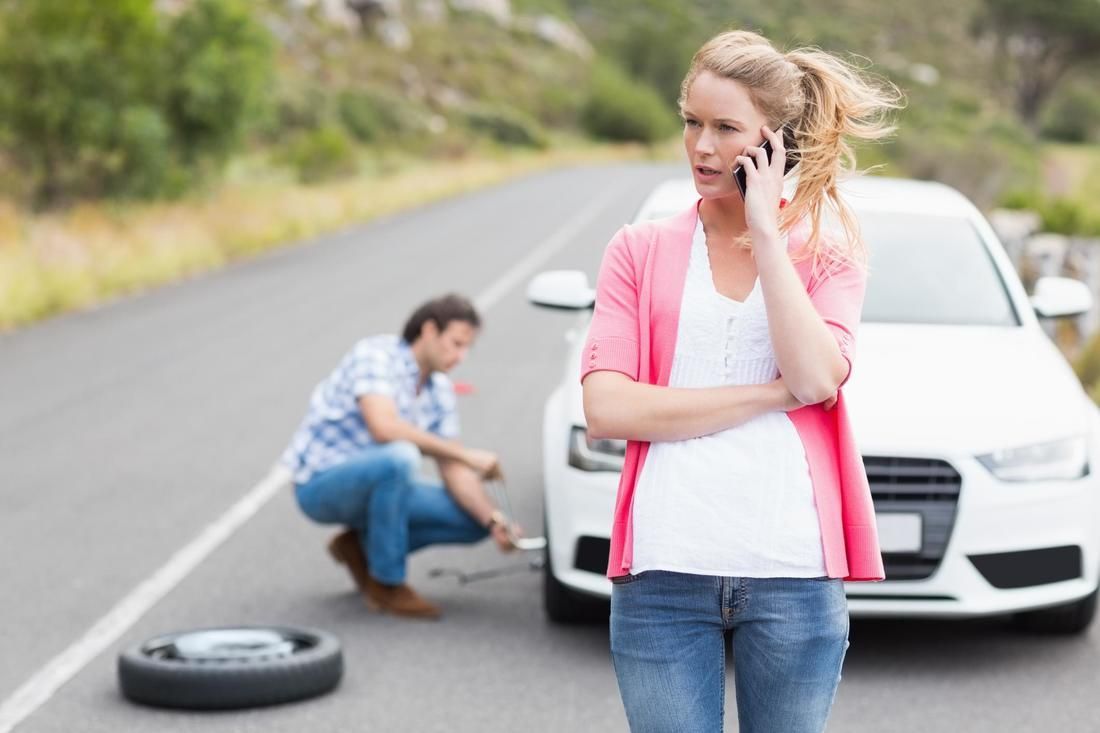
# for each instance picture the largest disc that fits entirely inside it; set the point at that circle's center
(720, 121)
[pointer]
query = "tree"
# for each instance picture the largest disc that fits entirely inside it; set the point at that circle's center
(77, 89)
(220, 63)
(1042, 40)
(109, 98)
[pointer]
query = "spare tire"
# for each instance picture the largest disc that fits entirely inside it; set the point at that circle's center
(231, 667)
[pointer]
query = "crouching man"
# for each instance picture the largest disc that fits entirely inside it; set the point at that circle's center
(356, 456)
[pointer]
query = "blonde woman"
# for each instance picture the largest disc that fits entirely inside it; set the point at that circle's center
(719, 344)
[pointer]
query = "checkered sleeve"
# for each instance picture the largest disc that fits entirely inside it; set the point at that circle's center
(445, 424)
(373, 372)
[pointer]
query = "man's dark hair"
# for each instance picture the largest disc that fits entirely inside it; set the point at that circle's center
(441, 311)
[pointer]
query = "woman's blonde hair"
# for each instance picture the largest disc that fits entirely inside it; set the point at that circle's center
(822, 101)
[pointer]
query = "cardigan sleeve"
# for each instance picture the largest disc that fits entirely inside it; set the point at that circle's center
(612, 342)
(838, 299)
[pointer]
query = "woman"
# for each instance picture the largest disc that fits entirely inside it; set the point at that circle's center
(743, 504)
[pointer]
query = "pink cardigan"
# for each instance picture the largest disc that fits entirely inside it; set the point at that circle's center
(633, 331)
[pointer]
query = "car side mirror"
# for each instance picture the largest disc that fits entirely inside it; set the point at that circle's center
(566, 289)
(1060, 297)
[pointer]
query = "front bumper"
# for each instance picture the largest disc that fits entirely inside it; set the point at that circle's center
(1061, 519)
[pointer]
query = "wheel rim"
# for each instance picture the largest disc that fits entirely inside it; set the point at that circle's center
(227, 645)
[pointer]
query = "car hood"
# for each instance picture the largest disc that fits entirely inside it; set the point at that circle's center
(922, 389)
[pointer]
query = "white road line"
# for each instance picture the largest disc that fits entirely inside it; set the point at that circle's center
(37, 690)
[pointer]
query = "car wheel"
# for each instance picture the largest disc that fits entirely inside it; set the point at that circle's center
(566, 606)
(225, 668)
(1071, 618)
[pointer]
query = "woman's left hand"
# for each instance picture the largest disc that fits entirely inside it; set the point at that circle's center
(764, 188)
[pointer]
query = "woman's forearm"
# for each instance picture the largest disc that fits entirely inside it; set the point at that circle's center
(805, 352)
(620, 408)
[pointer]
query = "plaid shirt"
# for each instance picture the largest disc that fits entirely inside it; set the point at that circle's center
(333, 430)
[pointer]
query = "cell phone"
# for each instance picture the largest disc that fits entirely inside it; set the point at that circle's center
(739, 175)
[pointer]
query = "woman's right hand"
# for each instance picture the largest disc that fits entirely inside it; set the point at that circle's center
(787, 401)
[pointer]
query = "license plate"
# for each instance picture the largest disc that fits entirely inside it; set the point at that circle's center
(898, 532)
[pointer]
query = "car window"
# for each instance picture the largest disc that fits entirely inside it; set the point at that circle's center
(931, 269)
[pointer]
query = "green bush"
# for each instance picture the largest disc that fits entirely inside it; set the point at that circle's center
(1061, 216)
(70, 71)
(375, 116)
(106, 98)
(363, 116)
(1058, 216)
(321, 154)
(506, 126)
(296, 105)
(619, 108)
(1019, 199)
(1074, 116)
(560, 105)
(144, 138)
(220, 65)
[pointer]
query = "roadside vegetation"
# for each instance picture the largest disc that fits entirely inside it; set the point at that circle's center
(144, 140)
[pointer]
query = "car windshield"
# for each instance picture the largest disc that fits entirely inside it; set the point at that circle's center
(931, 269)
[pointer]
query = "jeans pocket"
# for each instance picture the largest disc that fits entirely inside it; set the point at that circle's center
(624, 579)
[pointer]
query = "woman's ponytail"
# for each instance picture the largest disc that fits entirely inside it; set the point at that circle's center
(839, 105)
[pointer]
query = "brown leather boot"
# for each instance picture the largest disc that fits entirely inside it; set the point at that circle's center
(347, 550)
(400, 600)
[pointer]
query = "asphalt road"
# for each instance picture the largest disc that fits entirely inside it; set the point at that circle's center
(127, 430)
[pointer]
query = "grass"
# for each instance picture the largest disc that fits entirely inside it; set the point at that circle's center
(1073, 171)
(1070, 189)
(56, 262)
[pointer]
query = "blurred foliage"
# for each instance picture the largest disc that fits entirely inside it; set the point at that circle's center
(1066, 216)
(1038, 42)
(115, 99)
(78, 95)
(506, 126)
(321, 154)
(947, 134)
(108, 98)
(1087, 366)
(619, 108)
(373, 117)
(655, 43)
(220, 64)
(1074, 113)
(471, 61)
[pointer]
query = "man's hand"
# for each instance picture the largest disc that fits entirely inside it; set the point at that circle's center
(500, 534)
(485, 463)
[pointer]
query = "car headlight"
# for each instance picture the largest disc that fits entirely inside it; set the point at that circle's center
(595, 455)
(1059, 459)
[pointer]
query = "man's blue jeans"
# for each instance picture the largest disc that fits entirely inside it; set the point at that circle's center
(789, 637)
(378, 493)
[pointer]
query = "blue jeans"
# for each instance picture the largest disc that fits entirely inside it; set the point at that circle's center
(668, 631)
(378, 493)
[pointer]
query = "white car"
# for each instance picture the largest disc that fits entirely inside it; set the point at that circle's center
(977, 437)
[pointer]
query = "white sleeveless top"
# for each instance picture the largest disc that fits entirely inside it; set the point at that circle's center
(738, 502)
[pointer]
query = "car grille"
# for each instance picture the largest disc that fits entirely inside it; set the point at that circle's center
(925, 486)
